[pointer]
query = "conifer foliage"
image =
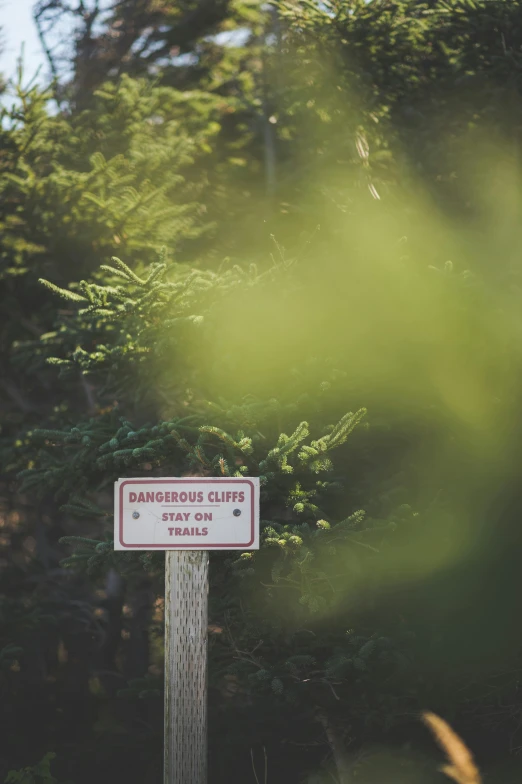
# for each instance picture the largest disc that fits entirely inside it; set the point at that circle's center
(133, 346)
(127, 334)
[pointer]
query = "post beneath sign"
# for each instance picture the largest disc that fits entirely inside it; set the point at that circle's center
(186, 517)
(186, 630)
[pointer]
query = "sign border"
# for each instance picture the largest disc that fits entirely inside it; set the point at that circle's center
(183, 546)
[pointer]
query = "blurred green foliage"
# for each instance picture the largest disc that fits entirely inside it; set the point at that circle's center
(34, 774)
(358, 349)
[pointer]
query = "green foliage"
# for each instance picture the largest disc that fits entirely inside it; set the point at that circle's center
(259, 369)
(138, 38)
(74, 186)
(309, 539)
(414, 81)
(35, 774)
(149, 687)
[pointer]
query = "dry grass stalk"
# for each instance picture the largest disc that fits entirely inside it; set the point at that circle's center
(462, 768)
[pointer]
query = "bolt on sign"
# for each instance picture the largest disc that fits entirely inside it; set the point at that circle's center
(186, 517)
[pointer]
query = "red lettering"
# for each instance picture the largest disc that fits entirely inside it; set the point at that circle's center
(183, 498)
(159, 497)
(186, 515)
(167, 497)
(186, 532)
(200, 497)
(132, 498)
(179, 517)
(211, 496)
(174, 497)
(177, 531)
(241, 497)
(165, 517)
(205, 531)
(170, 531)
(207, 516)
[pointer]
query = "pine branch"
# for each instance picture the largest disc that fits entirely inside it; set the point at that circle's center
(65, 293)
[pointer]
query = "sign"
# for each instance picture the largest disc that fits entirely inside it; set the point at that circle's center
(179, 515)
(190, 513)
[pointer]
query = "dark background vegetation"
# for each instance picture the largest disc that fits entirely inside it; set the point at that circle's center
(336, 187)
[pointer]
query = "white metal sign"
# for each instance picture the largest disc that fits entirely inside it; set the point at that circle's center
(190, 513)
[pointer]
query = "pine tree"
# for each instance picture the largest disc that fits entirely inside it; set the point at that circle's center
(76, 186)
(185, 42)
(148, 370)
(124, 334)
(422, 83)
(127, 173)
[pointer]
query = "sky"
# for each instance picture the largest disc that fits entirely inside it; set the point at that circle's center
(17, 26)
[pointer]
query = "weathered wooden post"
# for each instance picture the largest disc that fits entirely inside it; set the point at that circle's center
(186, 517)
(186, 625)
